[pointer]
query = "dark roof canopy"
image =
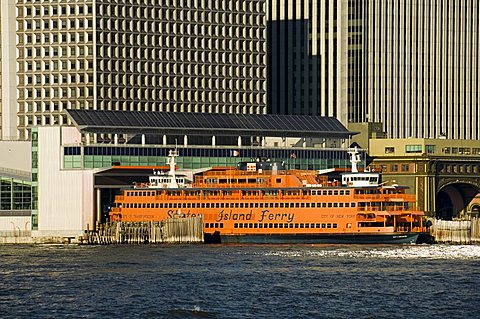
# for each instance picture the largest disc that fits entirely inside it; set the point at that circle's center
(95, 121)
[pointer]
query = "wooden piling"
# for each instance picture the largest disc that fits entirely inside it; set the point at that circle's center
(456, 231)
(173, 231)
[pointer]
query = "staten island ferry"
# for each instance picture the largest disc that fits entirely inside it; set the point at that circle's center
(262, 202)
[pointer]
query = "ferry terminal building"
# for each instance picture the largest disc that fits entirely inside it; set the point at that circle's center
(76, 171)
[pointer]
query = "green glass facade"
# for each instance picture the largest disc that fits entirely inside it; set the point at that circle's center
(15, 194)
(196, 157)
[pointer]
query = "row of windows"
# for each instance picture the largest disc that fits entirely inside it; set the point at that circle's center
(53, 9)
(284, 225)
(273, 154)
(76, 151)
(238, 205)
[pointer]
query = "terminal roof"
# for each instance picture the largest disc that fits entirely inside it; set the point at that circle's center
(96, 121)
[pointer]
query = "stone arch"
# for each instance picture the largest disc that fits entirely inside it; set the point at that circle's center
(453, 198)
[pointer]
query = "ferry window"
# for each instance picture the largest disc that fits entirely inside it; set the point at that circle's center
(260, 225)
(255, 225)
(278, 180)
(312, 225)
(347, 192)
(160, 205)
(276, 205)
(241, 205)
(271, 205)
(217, 205)
(307, 205)
(301, 225)
(307, 226)
(335, 193)
(148, 205)
(324, 193)
(281, 205)
(211, 225)
(319, 204)
(188, 205)
(335, 204)
(291, 226)
(296, 225)
(342, 192)
(285, 225)
(216, 225)
(329, 192)
(227, 205)
(324, 205)
(352, 205)
(256, 205)
(207, 205)
(334, 225)
(221, 225)
(340, 204)
(235, 225)
(143, 205)
(349, 225)
(144, 194)
(250, 225)
(236, 205)
(206, 225)
(203, 205)
(347, 204)
(329, 205)
(297, 205)
(314, 192)
(270, 225)
(175, 205)
(323, 225)
(329, 225)
(245, 225)
(317, 225)
(240, 225)
(280, 225)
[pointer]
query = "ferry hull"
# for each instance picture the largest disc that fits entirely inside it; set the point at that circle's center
(404, 238)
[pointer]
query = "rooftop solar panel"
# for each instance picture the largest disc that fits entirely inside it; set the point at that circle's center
(221, 124)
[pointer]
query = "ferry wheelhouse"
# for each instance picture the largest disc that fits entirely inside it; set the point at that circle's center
(262, 202)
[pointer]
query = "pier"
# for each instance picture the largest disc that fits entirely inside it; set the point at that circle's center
(456, 231)
(171, 231)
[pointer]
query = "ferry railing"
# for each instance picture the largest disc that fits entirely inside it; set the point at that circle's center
(119, 198)
(386, 197)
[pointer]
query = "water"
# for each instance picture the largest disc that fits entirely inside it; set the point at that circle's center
(215, 281)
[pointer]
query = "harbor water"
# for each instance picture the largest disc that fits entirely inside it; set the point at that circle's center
(244, 281)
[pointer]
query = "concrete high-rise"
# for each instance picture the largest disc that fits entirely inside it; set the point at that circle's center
(412, 65)
(307, 57)
(139, 55)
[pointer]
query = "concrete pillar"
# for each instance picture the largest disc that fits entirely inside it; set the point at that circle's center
(87, 138)
(304, 144)
(185, 140)
(143, 139)
(164, 139)
(99, 208)
(213, 140)
(263, 141)
(115, 139)
(239, 141)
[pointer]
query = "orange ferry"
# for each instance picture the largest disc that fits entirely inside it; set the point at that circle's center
(262, 202)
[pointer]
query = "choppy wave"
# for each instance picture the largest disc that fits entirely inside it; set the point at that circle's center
(447, 252)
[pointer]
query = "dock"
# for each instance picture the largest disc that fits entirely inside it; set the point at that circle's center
(462, 232)
(171, 231)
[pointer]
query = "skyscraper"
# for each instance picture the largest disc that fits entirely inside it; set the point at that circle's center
(307, 57)
(139, 55)
(412, 65)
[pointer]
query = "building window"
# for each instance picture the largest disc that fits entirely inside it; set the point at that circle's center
(394, 168)
(405, 167)
(413, 148)
(389, 150)
(430, 149)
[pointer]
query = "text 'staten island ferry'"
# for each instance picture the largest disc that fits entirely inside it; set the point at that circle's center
(261, 202)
